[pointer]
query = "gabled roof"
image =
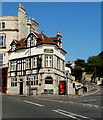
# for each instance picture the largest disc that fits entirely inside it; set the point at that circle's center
(41, 39)
(46, 40)
(21, 44)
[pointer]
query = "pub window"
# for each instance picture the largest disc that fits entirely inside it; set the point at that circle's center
(13, 82)
(33, 80)
(63, 65)
(36, 80)
(34, 62)
(28, 63)
(58, 63)
(13, 65)
(19, 65)
(49, 61)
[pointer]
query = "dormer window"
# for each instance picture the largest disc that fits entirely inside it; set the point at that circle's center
(13, 47)
(28, 42)
(31, 41)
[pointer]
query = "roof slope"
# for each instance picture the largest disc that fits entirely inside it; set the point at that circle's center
(41, 39)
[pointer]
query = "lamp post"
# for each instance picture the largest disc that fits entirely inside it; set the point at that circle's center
(30, 24)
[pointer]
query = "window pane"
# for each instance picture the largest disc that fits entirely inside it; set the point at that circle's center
(36, 82)
(2, 40)
(31, 82)
(3, 25)
(48, 61)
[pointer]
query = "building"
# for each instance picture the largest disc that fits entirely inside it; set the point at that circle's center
(36, 65)
(70, 78)
(14, 28)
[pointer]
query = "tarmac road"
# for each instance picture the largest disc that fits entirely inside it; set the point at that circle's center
(46, 107)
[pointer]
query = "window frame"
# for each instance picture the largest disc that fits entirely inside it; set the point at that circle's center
(13, 65)
(33, 81)
(34, 62)
(13, 82)
(3, 40)
(48, 61)
(27, 63)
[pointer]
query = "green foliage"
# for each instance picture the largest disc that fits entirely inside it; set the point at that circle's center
(78, 73)
(80, 62)
(95, 65)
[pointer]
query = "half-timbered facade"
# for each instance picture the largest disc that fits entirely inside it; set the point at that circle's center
(36, 65)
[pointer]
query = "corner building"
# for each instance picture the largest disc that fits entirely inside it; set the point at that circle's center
(36, 65)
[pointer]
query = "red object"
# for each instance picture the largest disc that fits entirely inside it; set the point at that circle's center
(3, 78)
(62, 87)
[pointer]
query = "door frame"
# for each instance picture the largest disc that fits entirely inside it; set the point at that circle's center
(21, 87)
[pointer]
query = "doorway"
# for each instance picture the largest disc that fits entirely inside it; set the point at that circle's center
(21, 87)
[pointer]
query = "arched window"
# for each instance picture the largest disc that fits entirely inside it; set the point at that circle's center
(48, 80)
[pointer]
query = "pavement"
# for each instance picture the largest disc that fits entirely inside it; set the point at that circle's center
(92, 89)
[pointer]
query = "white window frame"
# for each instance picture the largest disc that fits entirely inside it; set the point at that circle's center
(58, 63)
(33, 41)
(33, 79)
(19, 65)
(48, 61)
(34, 62)
(13, 65)
(28, 63)
(13, 47)
(13, 82)
(28, 42)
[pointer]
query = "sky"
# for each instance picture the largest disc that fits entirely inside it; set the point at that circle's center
(79, 23)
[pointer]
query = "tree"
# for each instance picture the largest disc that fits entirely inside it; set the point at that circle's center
(78, 70)
(95, 65)
(78, 73)
(80, 62)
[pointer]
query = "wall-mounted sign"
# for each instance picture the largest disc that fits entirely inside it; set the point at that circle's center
(48, 50)
(48, 91)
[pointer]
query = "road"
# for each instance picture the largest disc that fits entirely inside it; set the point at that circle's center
(77, 108)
